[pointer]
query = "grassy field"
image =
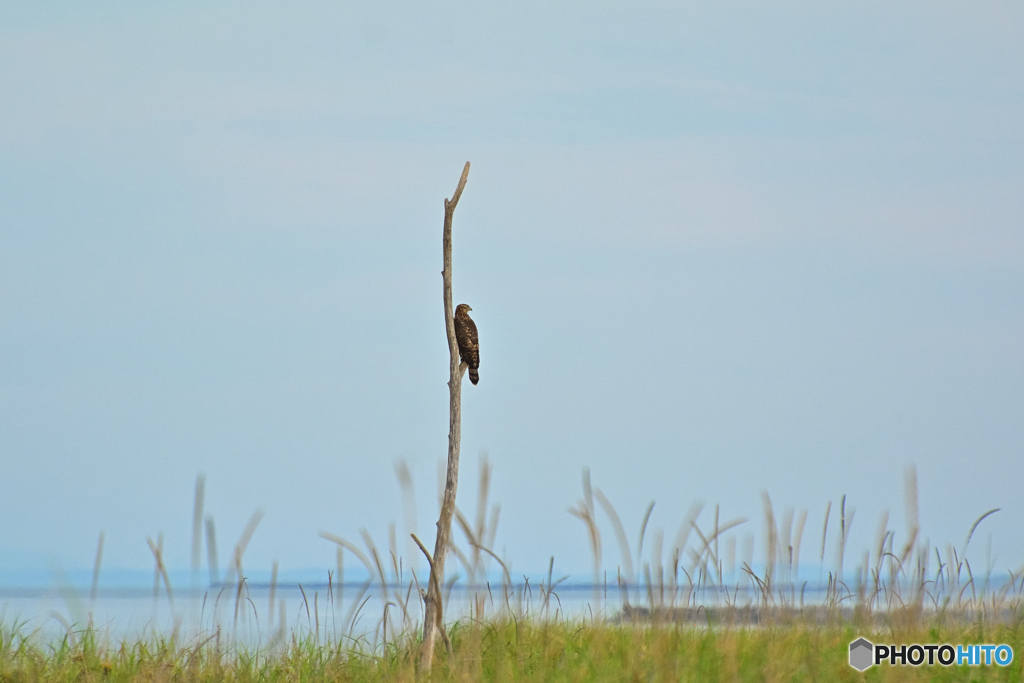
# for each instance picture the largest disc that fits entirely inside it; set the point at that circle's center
(510, 650)
(686, 611)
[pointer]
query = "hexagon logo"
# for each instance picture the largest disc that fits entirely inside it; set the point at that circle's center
(861, 654)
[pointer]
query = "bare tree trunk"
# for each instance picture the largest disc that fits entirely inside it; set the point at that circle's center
(432, 621)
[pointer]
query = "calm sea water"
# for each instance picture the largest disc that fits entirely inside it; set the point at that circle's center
(258, 614)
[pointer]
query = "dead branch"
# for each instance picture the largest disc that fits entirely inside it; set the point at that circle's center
(433, 608)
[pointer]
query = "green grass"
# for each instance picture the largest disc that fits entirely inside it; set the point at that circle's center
(511, 650)
(698, 616)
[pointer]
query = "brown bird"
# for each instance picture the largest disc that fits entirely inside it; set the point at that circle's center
(469, 343)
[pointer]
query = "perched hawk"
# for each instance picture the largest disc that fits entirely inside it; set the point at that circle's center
(469, 343)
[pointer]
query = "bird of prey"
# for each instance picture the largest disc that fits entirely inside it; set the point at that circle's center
(469, 343)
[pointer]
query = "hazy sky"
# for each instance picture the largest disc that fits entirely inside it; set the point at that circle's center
(712, 249)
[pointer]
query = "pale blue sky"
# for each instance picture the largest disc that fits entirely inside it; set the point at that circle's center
(712, 248)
